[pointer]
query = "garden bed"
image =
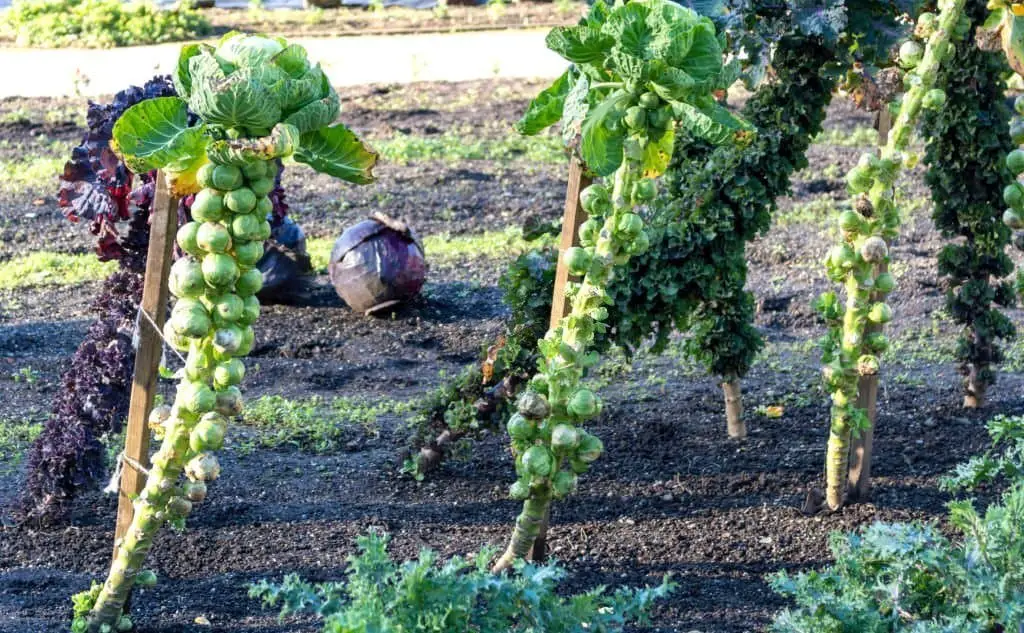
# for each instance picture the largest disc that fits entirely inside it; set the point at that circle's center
(671, 494)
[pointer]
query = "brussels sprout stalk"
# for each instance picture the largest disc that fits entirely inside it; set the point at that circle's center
(849, 349)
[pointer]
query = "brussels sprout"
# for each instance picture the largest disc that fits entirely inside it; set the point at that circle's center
(204, 176)
(226, 177)
(631, 224)
(934, 99)
(645, 190)
(577, 259)
(874, 250)
(877, 342)
(208, 434)
(851, 222)
(178, 507)
(198, 364)
(186, 278)
(264, 206)
(595, 199)
(251, 310)
(538, 461)
(926, 25)
(867, 365)
(639, 245)
(257, 169)
(219, 270)
(240, 200)
(158, 419)
(880, 313)
(885, 283)
(203, 467)
(1017, 131)
(248, 338)
(578, 466)
(859, 180)
(539, 383)
(249, 283)
(590, 231)
(589, 449)
(213, 237)
(190, 320)
(519, 491)
(227, 308)
(196, 397)
(563, 483)
(208, 206)
(146, 578)
(520, 429)
(248, 253)
(1013, 195)
(650, 101)
(262, 187)
(186, 238)
(195, 491)
(230, 372)
(533, 405)
(1018, 104)
(564, 437)
(911, 54)
(1013, 220)
(229, 402)
(584, 404)
(1015, 162)
(247, 228)
(660, 119)
(227, 340)
(265, 231)
(636, 118)
(842, 256)
(175, 340)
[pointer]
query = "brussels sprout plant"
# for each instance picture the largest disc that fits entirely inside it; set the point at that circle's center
(640, 70)
(257, 99)
(858, 260)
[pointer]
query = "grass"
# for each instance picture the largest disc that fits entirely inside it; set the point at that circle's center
(442, 248)
(453, 147)
(314, 424)
(15, 438)
(38, 173)
(46, 268)
(857, 136)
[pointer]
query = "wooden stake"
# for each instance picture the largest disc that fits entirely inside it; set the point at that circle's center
(859, 474)
(163, 224)
(573, 217)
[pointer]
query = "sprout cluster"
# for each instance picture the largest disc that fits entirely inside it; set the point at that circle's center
(1013, 194)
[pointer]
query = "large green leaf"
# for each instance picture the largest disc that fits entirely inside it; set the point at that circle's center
(293, 60)
(182, 77)
(601, 146)
(296, 93)
(710, 121)
(703, 60)
(579, 44)
(546, 108)
(316, 115)
(339, 152)
(155, 134)
(574, 111)
(242, 99)
(658, 153)
(282, 141)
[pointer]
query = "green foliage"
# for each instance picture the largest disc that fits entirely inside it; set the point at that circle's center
(1003, 461)
(968, 136)
(46, 268)
(98, 23)
(454, 596)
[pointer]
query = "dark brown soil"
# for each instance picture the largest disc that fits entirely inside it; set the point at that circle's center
(672, 494)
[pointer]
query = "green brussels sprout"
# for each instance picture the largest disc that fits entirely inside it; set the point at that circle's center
(186, 279)
(1013, 220)
(208, 206)
(1018, 104)
(226, 177)
(265, 231)
(208, 435)
(650, 100)
(590, 231)
(178, 507)
(578, 466)
(227, 340)
(146, 578)
(885, 283)
(867, 365)
(584, 404)
(934, 99)
(175, 340)
(519, 491)
(636, 118)
(264, 206)
(248, 253)
(577, 259)
(533, 405)
(240, 200)
(196, 397)
(248, 339)
(202, 467)
(251, 310)
(227, 308)
(520, 429)
(1015, 162)
(645, 190)
(124, 624)
(190, 320)
(230, 372)
(1013, 195)
(563, 483)
(926, 25)
(851, 222)
(249, 283)
(564, 437)
(198, 364)
(911, 54)
(247, 228)
(839, 398)
(589, 449)
(229, 402)
(256, 170)
(204, 176)
(880, 313)
(219, 270)
(660, 119)
(195, 491)
(186, 238)
(874, 250)
(1017, 131)
(596, 200)
(538, 461)
(859, 179)
(842, 256)
(539, 383)
(877, 342)
(213, 237)
(631, 224)
(640, 244)
(262, 187)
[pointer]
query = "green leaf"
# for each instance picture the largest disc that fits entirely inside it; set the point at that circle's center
(316, 115)
(337, 151)
(703, 60)
(282, 141)
(154, 134)
(239, 100)
(546, 108)
(182, 77)
(293, 60)
(710, 121)
(574, 111)
(657, 154)
(579, 44)
(601, 147)
(296, 93)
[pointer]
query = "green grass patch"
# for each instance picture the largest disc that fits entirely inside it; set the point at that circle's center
(15, 438)
(544, 148)
(444, 249)
(46, 268)
(38, 173)
(314, 424)
(857, 136)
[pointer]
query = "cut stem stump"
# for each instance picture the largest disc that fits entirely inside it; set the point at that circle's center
(163, 226)
(573, 217)
(735, 425)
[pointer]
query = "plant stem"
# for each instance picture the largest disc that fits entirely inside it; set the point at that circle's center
(734, 408)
